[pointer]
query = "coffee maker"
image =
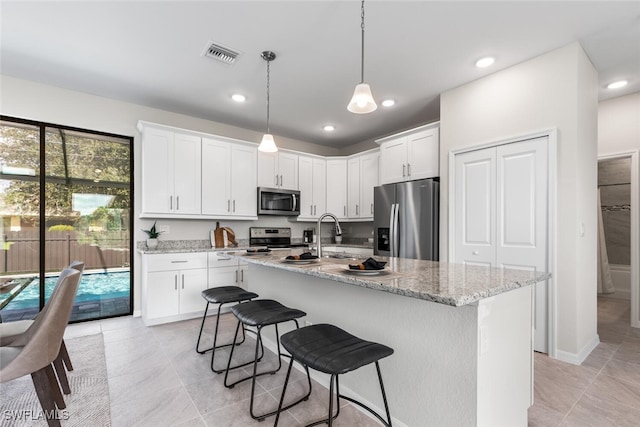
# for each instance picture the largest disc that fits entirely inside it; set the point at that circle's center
(307, 236)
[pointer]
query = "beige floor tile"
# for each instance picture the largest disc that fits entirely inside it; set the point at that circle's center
(594, 412)
(540, 415)
(628, 352)
(615, 391)
(622, 370)
(144, 382)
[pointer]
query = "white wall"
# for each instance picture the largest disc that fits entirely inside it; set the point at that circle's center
(555, 90)
(619, 125)
(35, 101)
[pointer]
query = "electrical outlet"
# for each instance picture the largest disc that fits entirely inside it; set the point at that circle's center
(165, 229)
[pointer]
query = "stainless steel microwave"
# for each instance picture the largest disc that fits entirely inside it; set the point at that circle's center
(276, 201)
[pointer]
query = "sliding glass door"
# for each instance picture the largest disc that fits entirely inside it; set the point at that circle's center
(83, 199)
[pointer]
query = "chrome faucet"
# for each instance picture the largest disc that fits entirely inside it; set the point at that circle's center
(319, 240)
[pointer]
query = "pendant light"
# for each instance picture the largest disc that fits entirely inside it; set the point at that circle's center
(362, 101)
(268, 145)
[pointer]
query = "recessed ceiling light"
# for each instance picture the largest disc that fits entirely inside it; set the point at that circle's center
(328, 128)
(238, 97)
(388, 103)
(485, 62)
(617, 85)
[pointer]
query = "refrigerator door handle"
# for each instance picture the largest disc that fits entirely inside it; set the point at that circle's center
(396, 232)
(391, 228)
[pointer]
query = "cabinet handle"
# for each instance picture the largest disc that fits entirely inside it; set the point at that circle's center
(170, 203)
(315, 209)
(228, 205)
(236, 276)
(175, 282)
(403, 174)
(310, 209)
(344, 208)
(177, 203)
(408, 169)
(242, 276)
(183, 281)
(276, 180)
(357, 210)
(234, 205)
(371, 208)
(178, 261)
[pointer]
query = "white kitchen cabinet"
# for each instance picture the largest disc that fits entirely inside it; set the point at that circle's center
(225, 271)
(229, 179)
(278, 170)
(409, 156)
(312, 181)
(362, 178)
(171, 173)
(337, 187)
(172, 286)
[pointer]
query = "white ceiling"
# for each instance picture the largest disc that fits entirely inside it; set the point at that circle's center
(149, 53)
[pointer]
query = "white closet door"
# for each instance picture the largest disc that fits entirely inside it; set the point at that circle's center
(522, 218)
(475, 208)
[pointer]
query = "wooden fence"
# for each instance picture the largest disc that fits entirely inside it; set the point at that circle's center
(20, 250)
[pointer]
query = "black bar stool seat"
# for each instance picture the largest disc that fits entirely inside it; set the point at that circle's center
(221, 295)
(258, 314)
(329, 349)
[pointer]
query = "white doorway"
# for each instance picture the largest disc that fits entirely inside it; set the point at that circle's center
(635, 230)
(501, 214)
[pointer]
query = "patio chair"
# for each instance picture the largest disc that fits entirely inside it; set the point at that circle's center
(11, 331)
(40, 346)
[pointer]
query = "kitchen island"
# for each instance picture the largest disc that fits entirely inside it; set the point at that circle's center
(462, 335)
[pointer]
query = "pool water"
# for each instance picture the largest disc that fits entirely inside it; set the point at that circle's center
(93, 287)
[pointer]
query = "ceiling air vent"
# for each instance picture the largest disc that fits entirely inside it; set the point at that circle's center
(221, 53)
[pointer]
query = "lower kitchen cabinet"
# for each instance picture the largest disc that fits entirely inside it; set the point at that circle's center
(172, 285)
(225, 271)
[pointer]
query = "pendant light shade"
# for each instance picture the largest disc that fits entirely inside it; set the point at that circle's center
(362, 101)
(268, 144)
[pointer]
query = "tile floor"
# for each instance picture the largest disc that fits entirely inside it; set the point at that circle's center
(157, 379)
(605, 389)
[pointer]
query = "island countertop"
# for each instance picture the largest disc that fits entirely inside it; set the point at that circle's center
(446, 283)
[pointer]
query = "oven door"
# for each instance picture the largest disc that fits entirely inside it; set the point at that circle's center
(274, 201)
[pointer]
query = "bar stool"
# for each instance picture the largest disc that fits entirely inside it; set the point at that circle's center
(221, 295)
(329, 349)
(261, 313)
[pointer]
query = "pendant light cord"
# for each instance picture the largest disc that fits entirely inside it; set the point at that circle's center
(268, 87)
(362, 47)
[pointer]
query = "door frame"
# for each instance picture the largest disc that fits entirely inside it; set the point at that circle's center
(635, 228)
(552, 215)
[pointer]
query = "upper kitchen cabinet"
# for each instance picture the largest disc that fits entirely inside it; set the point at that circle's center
(410, 155)
(170, 173)
(278, 170)
(362, 178)
(337, 187)
(312, 183)
(229, 179)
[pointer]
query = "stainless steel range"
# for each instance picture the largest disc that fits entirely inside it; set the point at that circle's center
(274, 237)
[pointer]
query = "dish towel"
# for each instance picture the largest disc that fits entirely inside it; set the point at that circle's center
(302, 256)
(369, 264)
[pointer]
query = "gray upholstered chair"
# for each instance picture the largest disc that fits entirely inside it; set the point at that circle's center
(34, 351)
(11, 331)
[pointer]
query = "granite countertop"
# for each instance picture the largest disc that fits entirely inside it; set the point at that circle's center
(445, 283)
(186, 246)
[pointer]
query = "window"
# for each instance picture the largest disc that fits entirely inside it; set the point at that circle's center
(65, 194)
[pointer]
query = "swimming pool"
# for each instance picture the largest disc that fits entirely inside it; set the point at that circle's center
(93, 287)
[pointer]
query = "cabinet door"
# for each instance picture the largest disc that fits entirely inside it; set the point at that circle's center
(319, 187)
(191, 284)
(157, 171)
(243, 180)
(337, 187)
(368, 180)
(223, 276)
(353, 188)
(162, 294)
(187, 176)
(216, 177)
(288, 170)
(268, 175)
(393, 161)
(305, 184)
(423, 155)
(243, 276)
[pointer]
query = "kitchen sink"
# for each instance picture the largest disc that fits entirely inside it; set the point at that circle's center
(339, 255)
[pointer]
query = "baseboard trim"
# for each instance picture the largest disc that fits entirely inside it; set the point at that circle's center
(578, 358)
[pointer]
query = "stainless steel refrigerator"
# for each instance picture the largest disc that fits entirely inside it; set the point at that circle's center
(406, 219)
